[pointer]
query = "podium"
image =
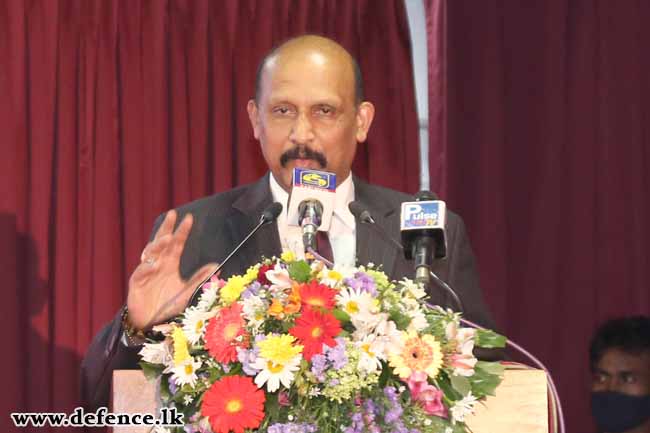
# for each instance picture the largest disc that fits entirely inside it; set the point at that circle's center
(520, 403)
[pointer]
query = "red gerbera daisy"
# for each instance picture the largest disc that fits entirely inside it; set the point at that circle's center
(225, 332)
(233, 403)
(317, 295)
(313, 329)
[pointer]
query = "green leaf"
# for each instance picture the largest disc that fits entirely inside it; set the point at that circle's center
(486, 379)
(444, 384)
(489, 339)
(490, 367)
(401, 320)
(151, 371)
(460, 384)
(165, 395)
(341, 315)
(300, 271)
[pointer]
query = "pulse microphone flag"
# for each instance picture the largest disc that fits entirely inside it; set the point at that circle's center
(422, 226)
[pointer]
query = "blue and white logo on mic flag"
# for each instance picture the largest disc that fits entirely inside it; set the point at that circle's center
(417, 215)
(303, 177)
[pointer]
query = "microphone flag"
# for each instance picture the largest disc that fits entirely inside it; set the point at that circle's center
(312, 185)
(426, 218)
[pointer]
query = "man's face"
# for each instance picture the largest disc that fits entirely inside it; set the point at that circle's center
(306, 115)
(622, 372)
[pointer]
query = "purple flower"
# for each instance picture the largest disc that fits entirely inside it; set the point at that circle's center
(172, 386)
(247, 357)
(336, 355)
(362, 281)
(318, 366)
(291, 427)
(252, 290)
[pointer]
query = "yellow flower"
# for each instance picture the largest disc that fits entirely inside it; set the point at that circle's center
(419, 354)
(181, 354)
(251, 274)
(334, 275)
(233, 289)
(279, 348)
(288, 256)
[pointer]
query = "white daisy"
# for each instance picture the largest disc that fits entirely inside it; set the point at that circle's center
(274, 374)
(194, 323)
(208, 296)
(463, 408)
(330, 277)
(254, 310)
(413, 289)
(187, 400)
(185, 373)
(356, 302)
(370, 354)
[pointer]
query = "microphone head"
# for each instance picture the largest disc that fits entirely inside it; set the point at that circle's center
(271, 212)
(310, 211)
(426, 195)
(360, 212)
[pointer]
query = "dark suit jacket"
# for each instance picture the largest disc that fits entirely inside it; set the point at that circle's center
(221, 221)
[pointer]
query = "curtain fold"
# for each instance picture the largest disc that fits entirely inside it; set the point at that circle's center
(546, 157)
(112, 112)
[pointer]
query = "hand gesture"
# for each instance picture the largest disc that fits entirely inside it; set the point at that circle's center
(157, 292)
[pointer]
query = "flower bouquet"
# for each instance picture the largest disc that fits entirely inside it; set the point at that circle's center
(293, 346)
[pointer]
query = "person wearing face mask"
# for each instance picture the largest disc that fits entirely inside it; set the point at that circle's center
(620, 367)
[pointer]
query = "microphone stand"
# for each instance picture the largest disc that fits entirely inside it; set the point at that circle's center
(264, 219)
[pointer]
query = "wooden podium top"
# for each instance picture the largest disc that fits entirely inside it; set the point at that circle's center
(521, 403)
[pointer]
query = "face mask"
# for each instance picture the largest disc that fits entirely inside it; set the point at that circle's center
(615, 412)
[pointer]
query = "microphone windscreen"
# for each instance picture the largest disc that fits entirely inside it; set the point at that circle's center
(356, 208)
(425, 195)
(271, 212)
(360, 212)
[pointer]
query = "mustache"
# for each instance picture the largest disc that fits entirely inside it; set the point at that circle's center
(303, 152)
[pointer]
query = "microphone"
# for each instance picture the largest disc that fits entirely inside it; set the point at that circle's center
(310, 217)
(423, 232)
(268, 216)
(362, 214)
(311, 203)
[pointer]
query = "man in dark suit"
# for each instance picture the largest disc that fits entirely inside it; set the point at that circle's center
(308, 112)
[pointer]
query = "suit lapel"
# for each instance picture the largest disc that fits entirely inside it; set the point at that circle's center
(371, 246)
(248, 209)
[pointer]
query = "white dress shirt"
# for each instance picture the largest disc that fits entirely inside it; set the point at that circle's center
(342, 233)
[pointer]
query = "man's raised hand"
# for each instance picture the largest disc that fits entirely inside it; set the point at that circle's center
(157, 292)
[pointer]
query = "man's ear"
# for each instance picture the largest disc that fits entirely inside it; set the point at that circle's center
(365, 114)
(253, 116)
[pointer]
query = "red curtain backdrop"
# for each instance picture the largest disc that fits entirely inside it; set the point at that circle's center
(546, 155)
(112, 112)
